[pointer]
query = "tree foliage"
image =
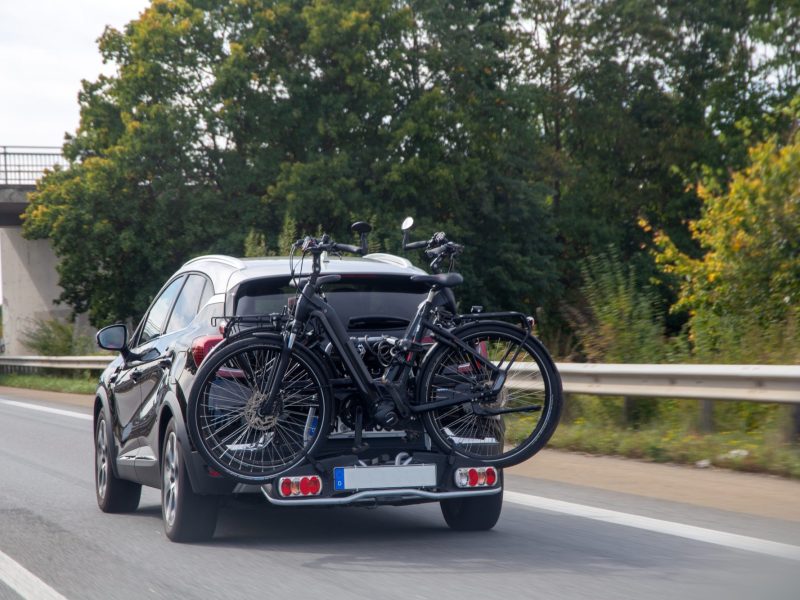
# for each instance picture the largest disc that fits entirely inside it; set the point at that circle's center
(537, 132)
(283, 117)
(749, 231)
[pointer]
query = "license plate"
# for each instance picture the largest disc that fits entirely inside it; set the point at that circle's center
(383, 477)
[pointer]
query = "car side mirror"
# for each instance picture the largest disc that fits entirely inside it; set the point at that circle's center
(114, 337)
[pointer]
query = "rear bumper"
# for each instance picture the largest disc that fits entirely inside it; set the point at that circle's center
(371, 497)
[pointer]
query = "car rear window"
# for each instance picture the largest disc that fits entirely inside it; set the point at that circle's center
(363, 302)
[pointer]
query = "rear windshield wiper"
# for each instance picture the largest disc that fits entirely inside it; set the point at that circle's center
(377, 322)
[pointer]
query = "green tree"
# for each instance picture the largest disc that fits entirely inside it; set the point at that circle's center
(635, 101)
(748, 277)
(231, 120)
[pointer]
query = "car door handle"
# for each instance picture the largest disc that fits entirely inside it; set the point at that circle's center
(136, 375)
(165, 362)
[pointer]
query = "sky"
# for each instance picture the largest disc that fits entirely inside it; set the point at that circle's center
(46, 48)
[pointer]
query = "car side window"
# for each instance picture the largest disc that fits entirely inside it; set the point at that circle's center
(188, 302)
(159, 311)
(208, 291)
(209, 311)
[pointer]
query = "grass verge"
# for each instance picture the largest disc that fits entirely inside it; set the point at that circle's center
(50, 383)
(753, 451)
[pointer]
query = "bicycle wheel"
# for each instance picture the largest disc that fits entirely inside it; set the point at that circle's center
(521, 417)
(223, 410)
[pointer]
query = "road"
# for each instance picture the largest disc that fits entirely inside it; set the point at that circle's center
(55, 543)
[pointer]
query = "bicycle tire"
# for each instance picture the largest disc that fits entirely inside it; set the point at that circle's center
(500, 440)
(222, 417)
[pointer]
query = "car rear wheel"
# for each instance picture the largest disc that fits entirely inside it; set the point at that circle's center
(188, 517)
(480, 513)
(114, 495)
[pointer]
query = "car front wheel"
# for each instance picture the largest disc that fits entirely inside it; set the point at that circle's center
(188, 517)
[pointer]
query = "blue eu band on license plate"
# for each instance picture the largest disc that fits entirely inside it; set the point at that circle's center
(383, 477)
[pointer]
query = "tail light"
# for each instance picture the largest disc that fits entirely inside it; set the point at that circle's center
(471, 477)
(307, 485)
(202, 346)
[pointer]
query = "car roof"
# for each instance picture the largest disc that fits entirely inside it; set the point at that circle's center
(227, 272)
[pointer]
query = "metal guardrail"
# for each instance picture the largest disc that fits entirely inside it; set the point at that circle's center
(753, 383)
(57, 362)
(23, 165)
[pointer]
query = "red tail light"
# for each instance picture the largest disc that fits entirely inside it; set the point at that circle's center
(202, 346)
(308, 485)
(491, 476)
(476, 477)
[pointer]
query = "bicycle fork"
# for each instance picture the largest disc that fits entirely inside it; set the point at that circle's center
(272, 404)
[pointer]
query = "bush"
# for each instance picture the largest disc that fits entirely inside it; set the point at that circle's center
(54, 337)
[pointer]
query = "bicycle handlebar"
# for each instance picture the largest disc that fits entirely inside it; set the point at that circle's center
(347, 248)
(446, 248)
(325, 244)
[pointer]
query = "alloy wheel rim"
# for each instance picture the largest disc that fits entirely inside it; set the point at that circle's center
(101, 453)
(170, 484)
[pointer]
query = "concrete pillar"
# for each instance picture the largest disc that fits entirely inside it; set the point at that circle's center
(30, 285)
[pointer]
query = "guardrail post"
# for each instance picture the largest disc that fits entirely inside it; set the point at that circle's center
(706, 416)
(566, 412)
(794, 431)
(628, 410)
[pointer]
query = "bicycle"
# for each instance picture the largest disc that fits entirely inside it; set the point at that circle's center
(486, 390)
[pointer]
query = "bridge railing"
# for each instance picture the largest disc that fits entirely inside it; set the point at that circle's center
(23, 165)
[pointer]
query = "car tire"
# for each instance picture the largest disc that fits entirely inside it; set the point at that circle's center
(188, 517)
(114, 495)
(480, 513)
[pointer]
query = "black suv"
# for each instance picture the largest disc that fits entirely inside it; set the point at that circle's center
(140, 428)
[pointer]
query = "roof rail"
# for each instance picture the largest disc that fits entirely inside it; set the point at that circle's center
(228, 260)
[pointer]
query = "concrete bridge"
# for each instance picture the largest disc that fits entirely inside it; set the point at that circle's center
(27, 267)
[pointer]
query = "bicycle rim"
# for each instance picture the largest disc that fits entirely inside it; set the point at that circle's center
(234, 437)
(528, 395)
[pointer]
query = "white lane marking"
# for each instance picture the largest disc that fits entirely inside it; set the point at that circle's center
(701, 534)
(25, 583)
(47, 409)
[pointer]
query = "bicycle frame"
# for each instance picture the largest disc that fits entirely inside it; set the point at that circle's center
(311, 305)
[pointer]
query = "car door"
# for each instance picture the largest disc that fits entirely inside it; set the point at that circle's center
(156, 371)
(133, 374)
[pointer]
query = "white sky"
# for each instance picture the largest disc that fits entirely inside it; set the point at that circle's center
(46, 48)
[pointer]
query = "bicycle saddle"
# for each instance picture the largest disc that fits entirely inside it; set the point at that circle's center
(440, 280)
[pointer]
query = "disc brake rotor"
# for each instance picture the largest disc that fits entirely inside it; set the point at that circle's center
(255, 420)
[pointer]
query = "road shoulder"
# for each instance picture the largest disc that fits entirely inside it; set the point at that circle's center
(749, 493)
(14, 393)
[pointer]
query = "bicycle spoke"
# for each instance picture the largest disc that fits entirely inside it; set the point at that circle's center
(235, 435)
(513, 417)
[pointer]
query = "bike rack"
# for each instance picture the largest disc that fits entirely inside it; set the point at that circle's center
(368, 495)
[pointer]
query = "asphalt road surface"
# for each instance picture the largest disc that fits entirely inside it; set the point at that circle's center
(554, 540)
